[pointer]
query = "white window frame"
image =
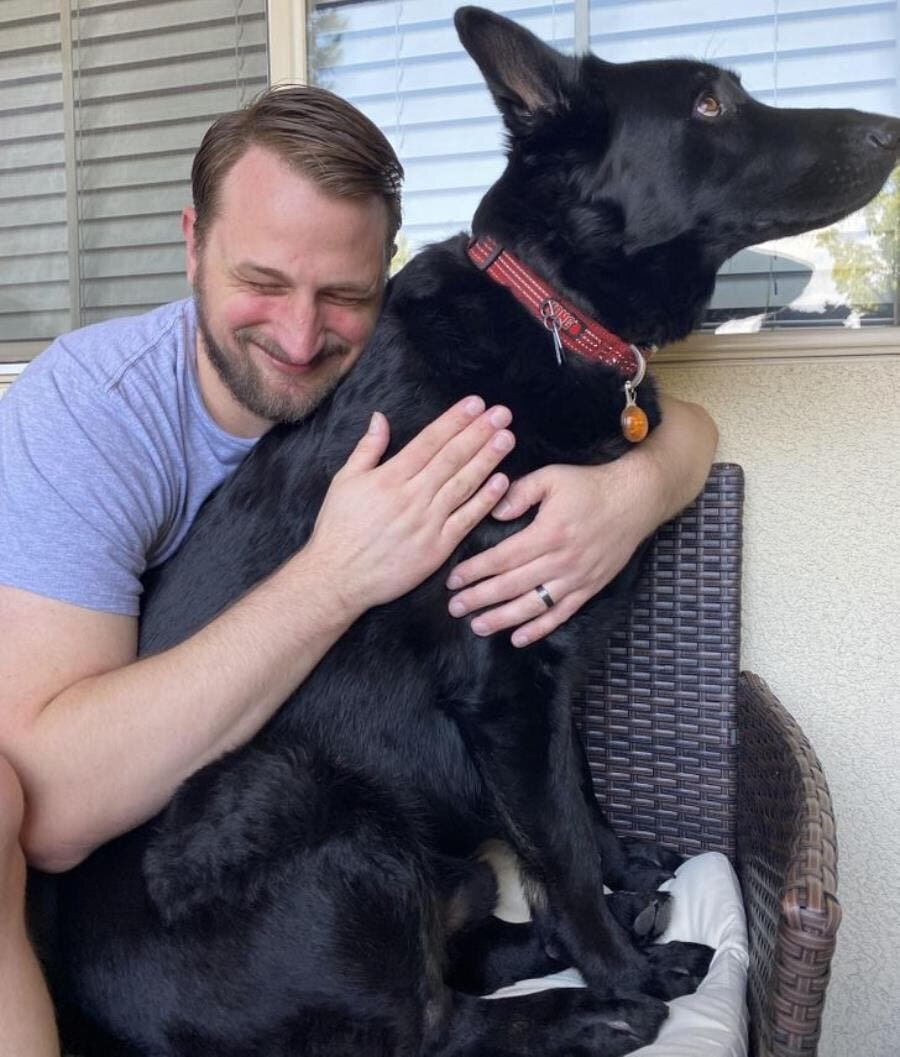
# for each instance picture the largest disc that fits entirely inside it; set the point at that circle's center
(287, 41)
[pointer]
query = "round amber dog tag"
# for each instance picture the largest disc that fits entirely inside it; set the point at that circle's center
(634, 424)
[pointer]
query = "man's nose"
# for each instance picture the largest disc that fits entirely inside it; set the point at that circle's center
(300, 329)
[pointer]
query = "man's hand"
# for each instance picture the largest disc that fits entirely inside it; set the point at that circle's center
(589, 522)
(384, 528)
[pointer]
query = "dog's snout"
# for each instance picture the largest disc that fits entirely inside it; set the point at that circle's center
(885, 136)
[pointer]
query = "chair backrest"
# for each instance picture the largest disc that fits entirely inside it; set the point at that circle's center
(658, 712)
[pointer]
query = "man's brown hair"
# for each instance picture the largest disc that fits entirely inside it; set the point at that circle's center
(316, 133)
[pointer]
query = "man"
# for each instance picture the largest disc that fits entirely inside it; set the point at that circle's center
(114, 436)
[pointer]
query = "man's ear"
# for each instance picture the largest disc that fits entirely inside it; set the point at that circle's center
(526, 77)
(188, 230)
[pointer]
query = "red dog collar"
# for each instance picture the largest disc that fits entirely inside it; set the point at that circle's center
(576, 331)
(569, 327)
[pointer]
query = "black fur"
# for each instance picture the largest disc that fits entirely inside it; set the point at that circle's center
(301, 895)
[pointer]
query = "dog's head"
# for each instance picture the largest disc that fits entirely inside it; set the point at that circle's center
(646, 176)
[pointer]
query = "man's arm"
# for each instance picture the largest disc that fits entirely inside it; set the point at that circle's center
(590, 522)
(28, 1025)
(101, 740)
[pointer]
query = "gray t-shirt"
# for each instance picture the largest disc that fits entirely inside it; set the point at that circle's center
(106, 454)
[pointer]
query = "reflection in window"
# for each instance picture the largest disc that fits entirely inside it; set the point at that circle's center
(401, 63)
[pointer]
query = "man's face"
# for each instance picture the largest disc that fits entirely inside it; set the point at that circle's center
(288, 281)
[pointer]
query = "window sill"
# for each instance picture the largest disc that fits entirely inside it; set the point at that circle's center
(803, 345)
(9, 372)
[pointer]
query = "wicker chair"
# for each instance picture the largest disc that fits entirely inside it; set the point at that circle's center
(687, 751)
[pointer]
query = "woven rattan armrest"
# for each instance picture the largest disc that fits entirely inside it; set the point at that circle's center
(787, 863)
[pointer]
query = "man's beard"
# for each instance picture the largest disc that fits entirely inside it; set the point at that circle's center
(247, 382)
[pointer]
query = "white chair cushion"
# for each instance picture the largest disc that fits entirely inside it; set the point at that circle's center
(708, 908)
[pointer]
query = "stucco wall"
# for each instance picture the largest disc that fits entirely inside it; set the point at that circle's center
(820, 445)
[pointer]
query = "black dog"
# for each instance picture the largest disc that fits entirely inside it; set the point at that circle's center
(305, 894)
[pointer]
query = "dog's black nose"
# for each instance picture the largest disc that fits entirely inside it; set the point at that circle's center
(885, 136)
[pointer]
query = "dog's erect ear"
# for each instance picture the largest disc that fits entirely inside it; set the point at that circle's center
(525, 76)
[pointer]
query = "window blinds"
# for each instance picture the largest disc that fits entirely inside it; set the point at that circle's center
(126, 89)
(34, 271)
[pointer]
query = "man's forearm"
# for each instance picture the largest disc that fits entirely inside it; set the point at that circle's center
(109, 751)
(677, 456)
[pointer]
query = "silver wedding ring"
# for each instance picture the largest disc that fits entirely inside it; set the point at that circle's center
(544, 595)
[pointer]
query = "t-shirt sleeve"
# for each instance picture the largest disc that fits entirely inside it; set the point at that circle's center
(80, 500)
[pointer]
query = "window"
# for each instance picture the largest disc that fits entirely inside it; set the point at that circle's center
(102, 106)
(401, 63)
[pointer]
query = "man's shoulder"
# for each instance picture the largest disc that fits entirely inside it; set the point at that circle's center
(104, 355)
(123, 380)
(110, 375)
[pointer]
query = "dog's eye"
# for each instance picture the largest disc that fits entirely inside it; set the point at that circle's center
(708, 106)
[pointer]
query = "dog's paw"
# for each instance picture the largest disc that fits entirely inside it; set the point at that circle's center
(563, 1022)
(677, 968)
(647, 865)
(613, 1027)
(645, 915)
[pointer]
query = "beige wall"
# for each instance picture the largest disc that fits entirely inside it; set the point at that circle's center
(820, 445)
